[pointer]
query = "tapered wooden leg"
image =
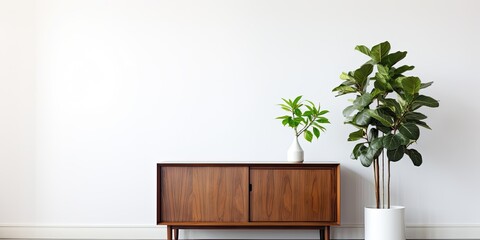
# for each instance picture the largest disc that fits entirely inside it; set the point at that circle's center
(169, 232)
(326, 232)
(322, 233)
(175, 233)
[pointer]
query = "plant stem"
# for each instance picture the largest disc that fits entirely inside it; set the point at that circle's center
(388, 184)
(377, 186)
(307, 126)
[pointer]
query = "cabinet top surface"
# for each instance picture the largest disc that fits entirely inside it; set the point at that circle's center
(250, 163)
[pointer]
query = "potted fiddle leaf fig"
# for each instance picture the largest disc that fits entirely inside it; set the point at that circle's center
(304, 117)
(386, 113)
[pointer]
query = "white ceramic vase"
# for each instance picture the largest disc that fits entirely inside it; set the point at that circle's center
(383, 224)
(295, 152)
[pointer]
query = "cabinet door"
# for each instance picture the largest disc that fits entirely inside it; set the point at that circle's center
(204, 194)
(302, 194)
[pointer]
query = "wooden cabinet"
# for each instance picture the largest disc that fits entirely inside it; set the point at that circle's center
(204, 194)
(248, 196)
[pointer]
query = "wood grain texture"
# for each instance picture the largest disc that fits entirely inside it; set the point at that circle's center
(203, 194)
(293, 194)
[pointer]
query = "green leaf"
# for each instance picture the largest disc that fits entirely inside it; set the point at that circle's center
(307, 113)
(308, 135)
(414, 116)
(422, 100)
(363, 49)
(349, 110)
(425, 85)
(379, 51)
(363, 100)
(316, 132)
(365, 157)
(298, 112)
(403, 69)
(372, 134)
(410, 130)
(393, 105)
(297, 99)
(285, 121)
(342, 90)
(322, 120)
(323, 112)
(383, 70)
(396, 154)
(357, 150)
(282, 117)
(422, 124)
(344, 76)
(354, 136)
(404, 139)
(391, 141)
(415, 156)
(384, 119)
(362, 118)
(393, 58)
(411, 85)
(361, 75)
(377, 143)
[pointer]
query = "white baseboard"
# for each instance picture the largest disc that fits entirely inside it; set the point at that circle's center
(159, 232)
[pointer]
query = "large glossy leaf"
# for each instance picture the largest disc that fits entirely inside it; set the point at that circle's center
(342, 90)
(391, 141)
(357, 150)
(403, 69)
(349, 110)
(422, 124)
(425, 85)
(372, 134)
(393, 58)
(384, 119)
(422, 100)
(393, 105)
(379, 51)
(383, 71)
(410, 130)
(361, 74)
(362, 101)
(415, 156)
(377, 143)
(363, 49)
(362, 118)
(354, 136)
(411, 84)
(396, 154)
(366, 157)
(414, 116)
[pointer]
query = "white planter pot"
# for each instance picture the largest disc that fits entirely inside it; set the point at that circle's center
(295, 152)
(383, 224)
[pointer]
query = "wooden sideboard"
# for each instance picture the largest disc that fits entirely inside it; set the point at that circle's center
(248, 195)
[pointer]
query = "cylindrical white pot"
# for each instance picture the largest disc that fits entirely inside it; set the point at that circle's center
(383, 224)
(295, 152)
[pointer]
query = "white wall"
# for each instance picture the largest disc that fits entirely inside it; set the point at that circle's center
(94, 93)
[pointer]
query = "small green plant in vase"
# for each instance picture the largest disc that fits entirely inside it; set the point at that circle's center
(305, 118)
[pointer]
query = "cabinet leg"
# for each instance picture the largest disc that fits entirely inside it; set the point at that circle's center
(175, 233)
(321, 232)
(169, 232)
(326, 232)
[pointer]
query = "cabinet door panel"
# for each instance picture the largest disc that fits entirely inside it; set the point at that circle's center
(204, 194)
(293, 194)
